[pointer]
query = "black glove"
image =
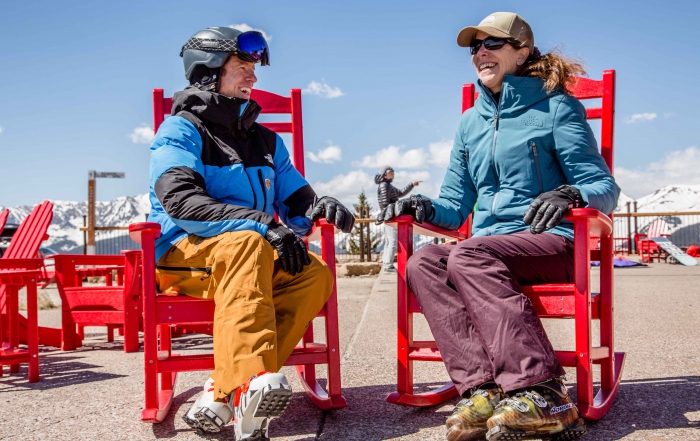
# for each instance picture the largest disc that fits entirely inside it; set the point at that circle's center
(420, 207)
(291, 250)
(334, 211)
(550, 208)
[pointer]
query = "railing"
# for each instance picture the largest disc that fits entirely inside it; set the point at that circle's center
(684, 230)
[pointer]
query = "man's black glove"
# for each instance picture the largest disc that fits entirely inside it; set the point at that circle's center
(334, 212)
(419, 207)
(550, 208)
(291, 250)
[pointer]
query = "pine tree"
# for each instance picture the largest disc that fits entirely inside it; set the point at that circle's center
(362, 210)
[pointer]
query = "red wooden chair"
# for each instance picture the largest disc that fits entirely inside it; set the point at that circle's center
(646, 247)
(15, 273)
(573, 300)
(114, 306)
(3, 218)
(25, 245)
(163, 313)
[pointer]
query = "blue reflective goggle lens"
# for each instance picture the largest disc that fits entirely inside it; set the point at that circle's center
(252, 45)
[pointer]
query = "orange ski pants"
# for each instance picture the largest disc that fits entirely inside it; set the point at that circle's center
(261, 311)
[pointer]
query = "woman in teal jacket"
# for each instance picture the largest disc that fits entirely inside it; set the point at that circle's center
(527, 154)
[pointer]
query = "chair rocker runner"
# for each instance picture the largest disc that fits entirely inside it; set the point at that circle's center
(163, 313)
(574, 300)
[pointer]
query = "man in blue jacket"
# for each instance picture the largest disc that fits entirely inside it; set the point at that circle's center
(217, 179)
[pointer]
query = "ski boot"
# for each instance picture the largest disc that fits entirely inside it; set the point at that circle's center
(468, 419)
(543, 410)
(263, 397)
(206, 414)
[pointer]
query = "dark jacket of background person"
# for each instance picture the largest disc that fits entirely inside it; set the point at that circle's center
(387, 193)
(505, 154)
(214, 170)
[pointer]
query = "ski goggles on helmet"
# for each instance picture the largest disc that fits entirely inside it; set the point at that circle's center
(491, 43)
(248, 46)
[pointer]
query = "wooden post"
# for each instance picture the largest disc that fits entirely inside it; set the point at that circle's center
(84, 235)
(636, 251)
(369, 237)
(629, 228)
(362, 237)
(90, 246)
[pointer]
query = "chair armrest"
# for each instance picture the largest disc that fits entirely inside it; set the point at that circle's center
(27, 264)
(426, 229)
(317, 228)
(87, 259)
(599, 224)
(137, 230)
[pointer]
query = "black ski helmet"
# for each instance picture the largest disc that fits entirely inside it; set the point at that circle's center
(208, 50)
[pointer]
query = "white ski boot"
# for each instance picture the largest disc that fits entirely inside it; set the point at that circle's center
(207, 415)
(262, 398)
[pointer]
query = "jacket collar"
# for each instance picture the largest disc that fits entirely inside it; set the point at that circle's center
(517, 94)
(219, 113)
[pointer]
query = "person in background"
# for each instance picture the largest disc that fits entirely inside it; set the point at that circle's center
(527, 153)
(387, 195)
(218, 178)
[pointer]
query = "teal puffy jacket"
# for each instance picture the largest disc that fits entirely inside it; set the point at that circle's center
(506, 154)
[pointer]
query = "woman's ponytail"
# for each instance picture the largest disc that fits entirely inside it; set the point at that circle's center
(554, 68)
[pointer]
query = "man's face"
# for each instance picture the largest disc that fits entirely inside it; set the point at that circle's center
(389, 174)
(237, 78)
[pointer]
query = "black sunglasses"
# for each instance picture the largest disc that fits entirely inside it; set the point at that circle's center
(491, 43)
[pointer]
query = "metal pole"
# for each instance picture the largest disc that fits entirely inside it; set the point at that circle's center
(90, 247)
(636, 231)
(629, 228)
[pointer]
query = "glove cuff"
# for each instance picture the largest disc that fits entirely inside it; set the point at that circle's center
(573, 194)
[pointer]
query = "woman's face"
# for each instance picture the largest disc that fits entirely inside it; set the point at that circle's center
(492, 66)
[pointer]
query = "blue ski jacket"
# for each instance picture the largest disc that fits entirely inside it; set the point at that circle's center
(505, 154)
(214, 170)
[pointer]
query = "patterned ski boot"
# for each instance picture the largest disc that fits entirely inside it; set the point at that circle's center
(208, 415)
(543, 410)
(263, 397)
(468, 420)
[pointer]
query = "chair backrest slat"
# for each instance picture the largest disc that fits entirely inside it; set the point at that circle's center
(271, 103)
(27, 239)
(3, 218)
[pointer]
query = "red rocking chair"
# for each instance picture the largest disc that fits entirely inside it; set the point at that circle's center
(163, 313)
(573, 300)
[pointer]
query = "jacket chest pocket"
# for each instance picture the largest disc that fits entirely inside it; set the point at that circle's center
(266, 180)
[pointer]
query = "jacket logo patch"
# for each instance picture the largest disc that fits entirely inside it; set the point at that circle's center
(532, 120)
(269, 159)
(267, 184)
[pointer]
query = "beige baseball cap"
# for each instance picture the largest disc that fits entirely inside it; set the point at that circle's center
(500, 25)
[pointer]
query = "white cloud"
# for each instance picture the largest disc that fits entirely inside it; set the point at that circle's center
(323, 90)
(244, 27)
(669, 114)
(346, 187)
(395, 157)
(681, 167)
(329, 155)
(641, 117)
(1, 129)
(142, 134)
(440, 153)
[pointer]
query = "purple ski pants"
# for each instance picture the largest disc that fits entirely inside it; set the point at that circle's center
(485, 327)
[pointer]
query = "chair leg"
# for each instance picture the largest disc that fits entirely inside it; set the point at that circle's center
(13, 320)
(166, 379)
(69, 339)
(110, 333)
(32, 333)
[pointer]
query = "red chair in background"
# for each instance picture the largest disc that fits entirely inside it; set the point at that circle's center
(24, 245)
(3, 218)
(14, 274)
(573, 300)
(163, 313)
(646, 247)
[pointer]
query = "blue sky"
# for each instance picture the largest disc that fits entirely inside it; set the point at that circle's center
(76, 83)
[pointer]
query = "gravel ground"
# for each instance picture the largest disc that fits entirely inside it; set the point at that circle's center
(95, 393)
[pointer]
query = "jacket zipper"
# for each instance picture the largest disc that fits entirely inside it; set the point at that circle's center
(186, 268)
(252, 189)
(493, 157)
(537, 165)
(264, 190)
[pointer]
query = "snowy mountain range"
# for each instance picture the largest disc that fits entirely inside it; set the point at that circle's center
(65, 234)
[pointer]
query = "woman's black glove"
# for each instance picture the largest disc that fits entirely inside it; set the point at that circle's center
(291, 250)
(550, 208)
(419, 207)
(334, 211)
